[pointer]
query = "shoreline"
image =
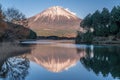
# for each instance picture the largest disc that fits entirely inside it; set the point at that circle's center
(101, 43)
(69, 41)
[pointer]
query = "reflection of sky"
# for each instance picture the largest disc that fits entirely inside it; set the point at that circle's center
(78, 72)
(57, 44)
(54, 58)
(81, 7)
(74, 71)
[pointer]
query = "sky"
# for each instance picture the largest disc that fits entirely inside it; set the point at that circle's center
(80, 7)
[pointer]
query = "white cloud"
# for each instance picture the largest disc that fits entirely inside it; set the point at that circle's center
(67, 9)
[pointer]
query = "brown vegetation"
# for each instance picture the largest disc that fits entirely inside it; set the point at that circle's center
(10, 31)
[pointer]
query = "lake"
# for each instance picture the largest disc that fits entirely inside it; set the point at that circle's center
(59, 60)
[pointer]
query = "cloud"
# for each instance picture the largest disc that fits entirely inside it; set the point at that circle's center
(67, 9)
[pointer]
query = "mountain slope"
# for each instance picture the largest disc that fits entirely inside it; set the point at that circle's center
(13, 32)
(55, 21)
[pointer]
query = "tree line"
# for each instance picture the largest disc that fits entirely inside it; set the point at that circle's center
(102, 23)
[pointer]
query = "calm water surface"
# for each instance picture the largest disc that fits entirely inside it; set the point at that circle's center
(61, 60)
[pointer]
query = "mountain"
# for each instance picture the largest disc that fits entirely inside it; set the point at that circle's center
(55, 21)
(55, 58)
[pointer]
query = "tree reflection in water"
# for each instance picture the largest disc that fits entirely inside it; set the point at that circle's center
(103, 59)
(12, 65)
(15, 68)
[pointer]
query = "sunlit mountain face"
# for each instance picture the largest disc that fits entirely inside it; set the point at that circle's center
(55, 59)
(55, 21)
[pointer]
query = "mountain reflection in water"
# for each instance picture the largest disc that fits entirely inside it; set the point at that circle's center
(55, 59)
(61, 58)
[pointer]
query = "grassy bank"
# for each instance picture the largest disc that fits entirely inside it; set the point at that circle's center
(56, 32)
(9, 49)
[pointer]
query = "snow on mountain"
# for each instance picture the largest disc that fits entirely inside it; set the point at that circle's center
(70, 11)
(55, 18)
(56, 11)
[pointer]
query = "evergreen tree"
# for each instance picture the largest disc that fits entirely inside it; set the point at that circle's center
(96, 17)
(115, 17)
(114, 29)
(87, 22)
(105, 17)
(105, 21)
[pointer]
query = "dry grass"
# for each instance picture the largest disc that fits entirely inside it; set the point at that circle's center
(9, 50)
(59, 33)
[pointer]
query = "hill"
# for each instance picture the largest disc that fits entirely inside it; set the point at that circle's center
(55, 21)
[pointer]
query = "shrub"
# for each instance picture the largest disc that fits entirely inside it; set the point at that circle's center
(32, 35)
(114, 29)
(118, 35)
(84, 37)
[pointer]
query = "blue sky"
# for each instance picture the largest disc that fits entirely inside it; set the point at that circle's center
(80, 7)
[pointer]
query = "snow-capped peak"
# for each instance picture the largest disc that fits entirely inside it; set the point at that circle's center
(60, 9)
(56, 11)
(67, 9)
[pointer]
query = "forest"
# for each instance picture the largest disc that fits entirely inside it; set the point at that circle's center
(100, 26)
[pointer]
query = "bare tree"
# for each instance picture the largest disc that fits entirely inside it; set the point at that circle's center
(15, 16)
(1, 13)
